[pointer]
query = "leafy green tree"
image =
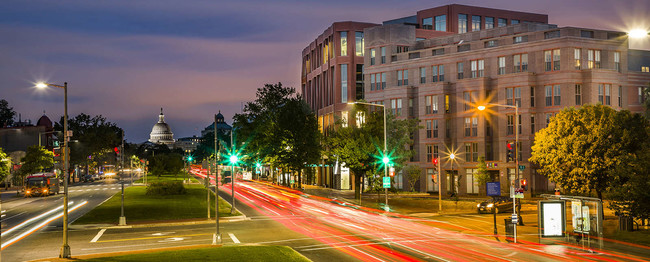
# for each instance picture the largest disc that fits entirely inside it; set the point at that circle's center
(630, 195)
(413, 173)
(7, 114)
(5, 165)
(482, 175)
(95, 138)
(580, 147)
(36, 160)
(355, 147)
(646, 102)
(166, 163)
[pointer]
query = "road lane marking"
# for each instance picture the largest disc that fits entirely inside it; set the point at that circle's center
(33, 219)
(99, 234)
(234, 239)
(144, 238)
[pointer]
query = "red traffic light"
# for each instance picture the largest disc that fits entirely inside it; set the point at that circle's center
(117, 150)
(509, 145)
(435, 161)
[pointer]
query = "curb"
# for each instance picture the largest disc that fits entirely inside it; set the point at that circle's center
(161, 224)
(112, 254)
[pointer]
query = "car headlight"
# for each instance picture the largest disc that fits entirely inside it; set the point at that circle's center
(45, 190)
(28, 192)
(478, 205)
(490, 205)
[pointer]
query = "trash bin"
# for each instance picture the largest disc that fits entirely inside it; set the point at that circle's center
(510, 228)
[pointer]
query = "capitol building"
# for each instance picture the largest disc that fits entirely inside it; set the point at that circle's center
(161, 133)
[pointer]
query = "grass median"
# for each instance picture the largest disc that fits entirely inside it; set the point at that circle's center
(226, 253)
(139, 207)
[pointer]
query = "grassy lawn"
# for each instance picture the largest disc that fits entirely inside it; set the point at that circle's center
(175, 177)
(228, 253)
(139, 207)
(641, 237)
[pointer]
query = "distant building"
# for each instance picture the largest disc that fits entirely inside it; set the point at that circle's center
(161, 133)
(23, 135)
(221, 125)
(188, 144)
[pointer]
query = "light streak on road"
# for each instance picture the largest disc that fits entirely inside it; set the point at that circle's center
(29, 221)
(39, 226)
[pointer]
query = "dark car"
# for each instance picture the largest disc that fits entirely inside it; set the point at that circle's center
(498, 204)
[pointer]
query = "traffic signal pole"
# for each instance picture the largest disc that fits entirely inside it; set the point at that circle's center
(216, 239)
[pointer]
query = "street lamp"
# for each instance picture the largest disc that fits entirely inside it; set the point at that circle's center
(385, 158)
(516, 149)
(638, 33)
(233, 161)
(65, 248)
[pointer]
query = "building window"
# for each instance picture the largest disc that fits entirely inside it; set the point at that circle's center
(431, 104)
(490, 43)
(556, 95)
(514, 21)
(502, 65)
(441, 23)
(605, 89)
(432, 128)
(434, 73)
(552, 34)
(548, 118)
(441, 73)
(372, 82)
(427, 23)
(576, 58)
(372, 56)
(641, 93)
(383, 54)
(411, 109)
(513, 96)
(489, 22)
(645, 69)
(510, 125)
(578, 94)
(549, 95)
(447, 104)
(344, 83)
(432, 152)
(402, 77)
(402, 49)
(476, 23)
(423, 75)
(617, 61)
(360, 118)
(462, 23)
(460, 70)
(344, 43)
(439, 51)
(521, 63)
(520, 39)
(358, 38)
(556, 59)
(620, 95)
(474, 126)
(519, 124)
(552, 60)
(477, 67)
(502, 22)
(471, 152)
(472, 182)
(532, 96)
(593, 58)
(532, 124)
(383, 81)
(396, 106)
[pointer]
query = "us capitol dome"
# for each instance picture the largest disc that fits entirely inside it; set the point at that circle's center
(161, 133)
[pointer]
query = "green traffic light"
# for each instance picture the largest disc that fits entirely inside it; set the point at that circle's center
(190, 158)
(234, 159)
(385, 160)
(258, 165)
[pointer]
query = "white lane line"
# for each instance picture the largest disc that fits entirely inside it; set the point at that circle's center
(234, 239)
(28, 221)
(99, 234)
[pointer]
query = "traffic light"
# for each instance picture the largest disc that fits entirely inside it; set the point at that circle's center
(524, 183)
(117, 154)
(435, 161)
(510, 147)
(391, 171)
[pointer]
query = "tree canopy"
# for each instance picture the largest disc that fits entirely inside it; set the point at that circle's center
(7, 114)
(94, 137)
(36, 159)
(580, 148)
(5, 164)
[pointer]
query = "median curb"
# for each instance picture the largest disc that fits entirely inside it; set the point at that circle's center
(159, 224)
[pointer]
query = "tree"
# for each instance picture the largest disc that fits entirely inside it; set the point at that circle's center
(36, 159)
(166, 163)
(5, 164)
(580, 147)
(646, 102)
(6, 114)
(355, 147)
(413, 173)
(96, 137)
(482, 175)
(631, 197)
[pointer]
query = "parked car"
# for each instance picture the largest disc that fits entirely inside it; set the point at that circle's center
(88, 178)
(499, 204)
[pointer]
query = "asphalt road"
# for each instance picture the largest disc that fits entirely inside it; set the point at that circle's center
(26, 222)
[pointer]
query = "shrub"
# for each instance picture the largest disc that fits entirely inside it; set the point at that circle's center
(166, 188)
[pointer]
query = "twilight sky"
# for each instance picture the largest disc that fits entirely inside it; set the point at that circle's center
(126, 59)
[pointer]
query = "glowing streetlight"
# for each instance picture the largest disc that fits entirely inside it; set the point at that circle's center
(637, 33)
(65, 248)
(481, 108)
(452, 156)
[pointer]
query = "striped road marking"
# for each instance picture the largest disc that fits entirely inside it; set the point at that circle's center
(99, 234)
(234, 239)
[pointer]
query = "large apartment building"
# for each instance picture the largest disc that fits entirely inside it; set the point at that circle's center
(439, 65)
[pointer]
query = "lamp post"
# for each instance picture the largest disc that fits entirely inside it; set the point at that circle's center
(385, 158)
(452, 156)
(216, 239)
(516, 155)
(65, 248)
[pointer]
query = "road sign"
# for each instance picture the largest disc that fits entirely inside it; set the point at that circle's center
(515, 219)
(522, 167)
(386, 182)
(493, 188)
(519, 193)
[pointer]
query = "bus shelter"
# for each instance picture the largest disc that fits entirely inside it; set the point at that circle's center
(574, 219)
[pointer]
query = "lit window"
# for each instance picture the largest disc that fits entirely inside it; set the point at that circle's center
(344, 43)
(462, 23)
(502, 65)
(476, 23)
(576, 58)
(344, 83)
(372, 56)
(489, 22)
(344, 119)
(359, 45)
(645, 69)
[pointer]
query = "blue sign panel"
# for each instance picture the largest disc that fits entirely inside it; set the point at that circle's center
(493, 188)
